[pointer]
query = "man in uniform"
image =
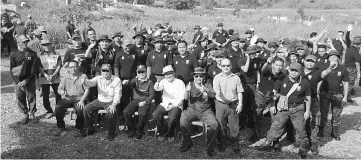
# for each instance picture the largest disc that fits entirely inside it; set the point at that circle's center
(335, 78)
(140, 47)
(352, 63)
(234, 53)
(215, 68)
(228, 89)
(117, 42)
(197, 35)
(322, 58)
(200, 50)
(220, 36)
(184, 63)
(77, 53)
(273, 46)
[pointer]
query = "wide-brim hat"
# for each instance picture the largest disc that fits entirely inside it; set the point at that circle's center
(158, 39)
(141, 68)
(75, 36)
(248, 32)
(261, 40)
(296, 66)
(204, 38)
(311, 57)
(45, 41)
(273, 44)
(104, 37)
(169, 40)
(36, 32)
(199, 70)
(167, 69)
(139, 34)
(219, 53)
(334, 53)
(220, 25)
(357, 40)
(42, 29)
(234, 38)
(252, 50)
(117, 34)
(197, 27)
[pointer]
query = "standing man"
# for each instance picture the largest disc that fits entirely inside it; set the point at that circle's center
(352, 63)
(234, 53)
(19, 29)
(322, 58)
(200, 49)
(143, 94)
(220, 36)
(335, 77)
(70, 29)
(30, 25)
(110, 91)
(35, 44)
(199, 96)
(228, 89)
(77, 53)
(140, 47)
(172, 102)
(184, 63)
(74, 93)
(84, 31)
(117, 42)
(292, 92)
(215, 68)
(197, 35)
(24, 65)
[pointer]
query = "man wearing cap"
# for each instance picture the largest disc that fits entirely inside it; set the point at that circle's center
(216, 67)
(117, 42)
(301, 52)
(30, 24)
(77, 53)
(197, 35)
(157, 59)
(208, 60)
(140, 47)
(228, 89)
(19, 29)
(143, 94)
(234, 53)
(172, 102)
(101, 55)
(292, 57)
(314, 77)
(336, 79)
(272, 46)
(24, 65)
(220, 36)
(352, 63)
(250, 37)
(292, 92)
(200, 49)
(109, 95)
(199, 96)
(35, 43)
(170, 45)
(184, 63)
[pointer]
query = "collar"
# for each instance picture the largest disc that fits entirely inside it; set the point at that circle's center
(111, 78)
(146, 79)
(230, 75)
(186, 55)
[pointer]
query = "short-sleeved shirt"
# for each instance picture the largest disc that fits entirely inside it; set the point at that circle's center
(142, 54)
(127, 64)
(220, 36)
(283, 86)
(228, 85)
(352, 56)
(250, 77)
(158, 60)
(85, 64)
(28, 58)
(70, 28)
(20, 30)
(268, 80)
(100, 57)
(197, 36)
(322, 63)
(213, 70)
(234, 57)
(74, 88)
(314, 77)
(196, 100)
(333, 81)
(184, 66)
(49, 63)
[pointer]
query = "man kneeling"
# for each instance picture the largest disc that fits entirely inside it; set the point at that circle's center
(74, 94)
(199, 97)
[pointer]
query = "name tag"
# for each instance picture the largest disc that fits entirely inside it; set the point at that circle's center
(309, 77)
(142, 52)
(122, 57)
(165, 56)
(338, 73)
(153, 57)
(187, 61)
(214, 72)
(114, 49)
(255, 65)
(176, 62)
(133, 56)
(299, 88)
(284, 85)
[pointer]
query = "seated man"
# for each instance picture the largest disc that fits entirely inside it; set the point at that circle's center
(172, 104)
(74, 94)
(109, 94)
(143, 94)
(199, 97)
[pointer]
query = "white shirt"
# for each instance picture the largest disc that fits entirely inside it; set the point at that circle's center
(173, 92)
(108, 90)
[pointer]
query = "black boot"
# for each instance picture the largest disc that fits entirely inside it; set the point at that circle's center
(186, 144)
(320, 132)
(254, 138)
(335, 133)
(277, 146)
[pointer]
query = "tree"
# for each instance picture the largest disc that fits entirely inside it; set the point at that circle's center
(180, 4)
(208, 4)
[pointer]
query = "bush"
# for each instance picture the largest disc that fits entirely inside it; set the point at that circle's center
(208, 4)
(301, 12)
(180, 4)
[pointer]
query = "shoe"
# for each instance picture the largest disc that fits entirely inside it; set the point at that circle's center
(350, 100)
(139, 135)
(25, 120)
(254, 138)
(131, 134)
(110, 137)
(185, 146)
(337, 138)
(222, 147)
(335, 133)
(210, 152)
(277, 146)
(320, 132)
(352, 92)
(86, 132)
(48, 115)
(266, 146)
(303, 153)
(314, 149)
(59, 132)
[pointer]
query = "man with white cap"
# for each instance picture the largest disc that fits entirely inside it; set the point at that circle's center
(172, 102)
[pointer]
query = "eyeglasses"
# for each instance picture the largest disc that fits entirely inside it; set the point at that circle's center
(219, 56)
(140, 72)
(105, 70)
(226, 65)
(199, 76)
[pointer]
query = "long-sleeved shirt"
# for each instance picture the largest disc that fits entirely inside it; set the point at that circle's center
(108, 90)
(227, 85)
(173, 93)
(142, 90)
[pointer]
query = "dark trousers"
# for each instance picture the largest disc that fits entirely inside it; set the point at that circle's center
(142, 114)
(26, 97)
(173, 118)
(158, 94)
(46, 92)
(280, 120)
(126, 98)
(226, 114)
(248, 114)
(60, 110)
(313, 122)
(94, 106)
(207, 116)
(335, 101)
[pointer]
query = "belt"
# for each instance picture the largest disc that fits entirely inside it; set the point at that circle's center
(293, 105)
(229, 103)
(334, 92)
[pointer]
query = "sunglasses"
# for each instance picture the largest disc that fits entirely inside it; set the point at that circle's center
(140, 72)
(105, 70)
(199, 76)
(226, 65)
(310, 60)
(219, 56)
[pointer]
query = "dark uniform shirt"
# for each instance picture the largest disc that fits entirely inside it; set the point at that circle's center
(142, 90)
(142, 54)
(196, 100)
(85, 64)
(268, 80)
(301, 59)
(352, 56)
(333, 81)
(220, 37)
(30, 62)
(127, 64)
(322, 62)
(250, 77)
(158, 60)
(99, 57)
(212, 72)
(196, 37)
(234, 57)
(20, 30)
(184, 66)
(284, 85)
(265, 55)
(314, 77)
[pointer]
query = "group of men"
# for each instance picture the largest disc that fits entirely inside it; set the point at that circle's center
(228, 82)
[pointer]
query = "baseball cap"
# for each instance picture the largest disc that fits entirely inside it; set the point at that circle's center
(199, 70)
(220, 25)
(36, 32)
(106, 67)
(311, 57)
(296, 66)
(334, 53)
(141, 68)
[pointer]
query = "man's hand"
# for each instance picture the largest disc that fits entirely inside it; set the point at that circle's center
(344, 99)
(349, 27)
(80, 105)
(112, 108)
(224, 44)
(171, 106)
(239, 108)
(124, 82)
(333, 64)
(306, 115)
(22, 84)
(188, 88)
(323, 31)
(269, 60)
(92, 45)
(141, 104)
(273, 110)
(61, 92)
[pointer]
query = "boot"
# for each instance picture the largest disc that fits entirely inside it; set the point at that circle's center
(276, 146)
(303, 153)
(335, 133)
(186, 144)
(25, 120)
(320, 132)
(314, 148)
(266, 146)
